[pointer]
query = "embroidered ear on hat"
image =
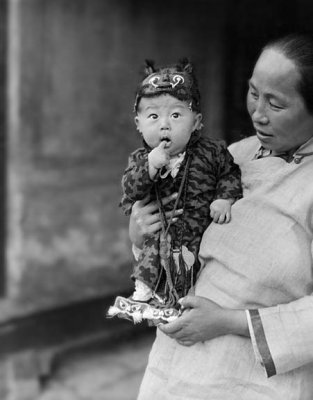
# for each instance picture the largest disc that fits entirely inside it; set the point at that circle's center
(177, 80)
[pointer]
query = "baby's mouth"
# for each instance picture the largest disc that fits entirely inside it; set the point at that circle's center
(167, 140)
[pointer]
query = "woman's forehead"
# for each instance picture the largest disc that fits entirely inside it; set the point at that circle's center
(275, 71)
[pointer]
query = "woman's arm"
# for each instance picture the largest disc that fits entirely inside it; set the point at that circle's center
(282, 336)
(204, 320)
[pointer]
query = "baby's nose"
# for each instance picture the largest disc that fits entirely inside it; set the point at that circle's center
(165, 125)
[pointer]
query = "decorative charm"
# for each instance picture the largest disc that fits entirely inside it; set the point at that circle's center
(188, 257)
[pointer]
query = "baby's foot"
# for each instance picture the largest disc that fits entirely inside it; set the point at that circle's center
(142, 292)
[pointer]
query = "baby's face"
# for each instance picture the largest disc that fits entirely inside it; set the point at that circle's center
(166, 118)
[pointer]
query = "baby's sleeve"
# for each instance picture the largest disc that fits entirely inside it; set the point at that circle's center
(136, 182)
(229, 175)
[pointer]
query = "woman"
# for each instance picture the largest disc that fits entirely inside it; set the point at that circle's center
(248, 332)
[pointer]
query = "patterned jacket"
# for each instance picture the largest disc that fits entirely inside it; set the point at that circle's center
(212, 175)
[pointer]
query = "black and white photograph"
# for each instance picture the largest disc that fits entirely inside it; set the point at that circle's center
(156, 200)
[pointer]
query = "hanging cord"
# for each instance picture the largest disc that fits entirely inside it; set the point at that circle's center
(164, 243)
(182, 262)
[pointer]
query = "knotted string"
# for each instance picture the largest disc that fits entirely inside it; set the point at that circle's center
(165, 226)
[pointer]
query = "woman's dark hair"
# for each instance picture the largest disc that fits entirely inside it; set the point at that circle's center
(299, 49)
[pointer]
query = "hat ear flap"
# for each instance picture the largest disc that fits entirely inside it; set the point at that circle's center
(188, 68)
(149, 67)
(186, 65)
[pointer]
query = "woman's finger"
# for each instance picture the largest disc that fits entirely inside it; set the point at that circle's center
(153, 228)
(145, 216)
(152, 218)
(147, 207)
(172, 328)
(189, 302)
(150, 208)
(177, 213)
(153, 225)
(166, 200)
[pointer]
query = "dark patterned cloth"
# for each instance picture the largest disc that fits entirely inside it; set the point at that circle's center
(212, 175)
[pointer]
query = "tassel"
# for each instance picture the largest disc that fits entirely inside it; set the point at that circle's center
(137, 317)
(182, 267)
(112, 311)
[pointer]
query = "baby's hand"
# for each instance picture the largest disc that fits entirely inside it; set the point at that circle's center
(158, 158)
(220, 210)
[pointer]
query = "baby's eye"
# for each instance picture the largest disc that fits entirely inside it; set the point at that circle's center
(153, 116)
(176, 115)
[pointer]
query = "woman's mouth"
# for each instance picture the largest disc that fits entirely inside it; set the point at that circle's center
(264, 135)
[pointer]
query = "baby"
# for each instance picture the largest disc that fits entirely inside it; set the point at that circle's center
(175, 158)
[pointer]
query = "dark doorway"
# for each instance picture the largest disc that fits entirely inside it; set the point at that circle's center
(246, 34)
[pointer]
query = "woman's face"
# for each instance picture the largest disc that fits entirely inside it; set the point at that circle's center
(277, 110)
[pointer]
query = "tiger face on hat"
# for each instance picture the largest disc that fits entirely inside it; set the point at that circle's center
(177, 80)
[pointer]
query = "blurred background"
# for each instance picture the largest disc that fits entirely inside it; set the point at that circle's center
(68, 74)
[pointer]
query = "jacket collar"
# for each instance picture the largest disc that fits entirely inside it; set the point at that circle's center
(296, 155)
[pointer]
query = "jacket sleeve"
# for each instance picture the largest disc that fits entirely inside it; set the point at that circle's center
(229, 175)
(136, 182)
(282, 336)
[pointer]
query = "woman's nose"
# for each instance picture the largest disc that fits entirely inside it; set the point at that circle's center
(259, 115)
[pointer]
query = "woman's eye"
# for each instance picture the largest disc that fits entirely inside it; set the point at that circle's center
(275, 106)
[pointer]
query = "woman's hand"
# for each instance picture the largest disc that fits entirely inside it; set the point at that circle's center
(145, 219)
(204, 320)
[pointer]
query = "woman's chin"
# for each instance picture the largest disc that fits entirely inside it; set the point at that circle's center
(266, 140)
